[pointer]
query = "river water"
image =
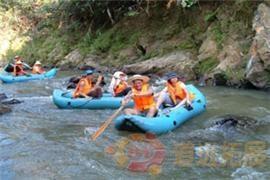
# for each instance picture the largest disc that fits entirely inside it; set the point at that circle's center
(40, 141)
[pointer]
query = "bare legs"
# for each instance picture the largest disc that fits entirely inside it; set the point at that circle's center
(150, 113)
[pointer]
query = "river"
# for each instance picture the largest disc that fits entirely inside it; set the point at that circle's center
(40, 141)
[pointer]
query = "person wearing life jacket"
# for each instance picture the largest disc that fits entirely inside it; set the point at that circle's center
(73, 81)
(175, 94)
(119, 86)
(18, 69)
(142, 95)
(37, 68)
(18, 58)
(86, 88)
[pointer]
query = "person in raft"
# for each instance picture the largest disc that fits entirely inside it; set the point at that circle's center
(142, 95)
(85, 88)
(18, 69)
(175, 94)
(37, 68)
(119, 86)
(18, 58)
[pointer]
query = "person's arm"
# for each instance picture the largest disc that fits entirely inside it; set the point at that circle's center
(127, 98)
(187, 93)
(162, 91)
(116, 82)
(77, 92)
(98, 81)
(185, 100)
(180, 104)
(84, 95)
(41, 70)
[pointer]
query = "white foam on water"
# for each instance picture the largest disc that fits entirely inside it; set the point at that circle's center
(90, 130)
(34, 98)
(246, 173)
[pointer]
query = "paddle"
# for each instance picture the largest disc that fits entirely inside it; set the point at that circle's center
(107, 122)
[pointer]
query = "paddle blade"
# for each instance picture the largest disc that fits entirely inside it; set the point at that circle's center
(99, 131)
(106, 124)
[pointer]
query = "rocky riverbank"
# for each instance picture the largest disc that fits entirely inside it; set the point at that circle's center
(240, 58)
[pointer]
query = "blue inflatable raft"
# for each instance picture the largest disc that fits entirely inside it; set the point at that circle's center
(9, 78)
(63, 100)
(163, 122)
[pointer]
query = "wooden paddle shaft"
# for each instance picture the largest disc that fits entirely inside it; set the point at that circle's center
(106, 124)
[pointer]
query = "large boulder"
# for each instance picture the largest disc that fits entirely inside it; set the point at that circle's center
(228, 72)
(11, 101)
(129, 53)
(56, 54)
(258, 69)
(208, 49)
(73, 59)
(92, 62)
(76, 60)
(230, 56)
(4, 100)
(179, 61)
(267, 2)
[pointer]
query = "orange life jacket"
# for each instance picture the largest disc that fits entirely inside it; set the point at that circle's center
(176, 92)
(18, 70)
(143, 102)
(37, 69)
(120, 87)
(83, 87)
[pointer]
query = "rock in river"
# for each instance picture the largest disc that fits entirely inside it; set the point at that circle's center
(4, 109)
